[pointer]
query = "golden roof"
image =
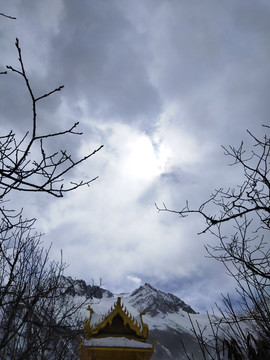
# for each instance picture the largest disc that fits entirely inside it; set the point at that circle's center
(138, 328)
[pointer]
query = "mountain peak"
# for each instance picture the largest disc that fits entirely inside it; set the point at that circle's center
(154, 301)
(146, 297)
(148, 285)
(79, 287)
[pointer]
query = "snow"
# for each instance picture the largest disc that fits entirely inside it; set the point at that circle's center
(159, 322)
(178, 320)
(117, 342)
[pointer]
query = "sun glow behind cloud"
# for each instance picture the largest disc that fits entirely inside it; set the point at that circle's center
(142, 161)
(134, 155)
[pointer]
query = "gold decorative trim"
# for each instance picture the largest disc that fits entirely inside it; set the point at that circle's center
(141, 329)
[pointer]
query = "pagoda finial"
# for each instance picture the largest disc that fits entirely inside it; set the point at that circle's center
(87, 325)
(91, 313)
(141, 315)
(144, 326)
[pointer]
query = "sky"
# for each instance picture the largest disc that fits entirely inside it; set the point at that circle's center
(162, 84)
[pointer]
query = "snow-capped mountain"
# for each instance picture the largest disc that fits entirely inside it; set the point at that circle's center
(167, 316)
(154, 301)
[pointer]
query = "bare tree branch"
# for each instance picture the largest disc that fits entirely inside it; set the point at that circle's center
(36, 320)
(20, 172)
(241, 330)
(8, 16)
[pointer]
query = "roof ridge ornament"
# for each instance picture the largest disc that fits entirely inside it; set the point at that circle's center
(138, 327)
(90, 312)
(87, 325)
(117, 332)
(118, 303)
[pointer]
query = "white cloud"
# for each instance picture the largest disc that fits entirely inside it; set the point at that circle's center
(135, 280)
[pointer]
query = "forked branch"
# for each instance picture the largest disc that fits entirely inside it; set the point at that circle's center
(44, 173)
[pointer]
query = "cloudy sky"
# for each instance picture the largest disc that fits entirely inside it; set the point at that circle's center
(162, 84)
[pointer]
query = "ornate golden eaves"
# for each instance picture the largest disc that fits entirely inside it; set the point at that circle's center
(138, 327)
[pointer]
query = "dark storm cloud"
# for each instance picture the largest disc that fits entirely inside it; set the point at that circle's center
(98, 55)
(217, 64)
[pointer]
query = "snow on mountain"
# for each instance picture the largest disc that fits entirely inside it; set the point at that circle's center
(80, 288)
(167, 316)
(154, 301)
